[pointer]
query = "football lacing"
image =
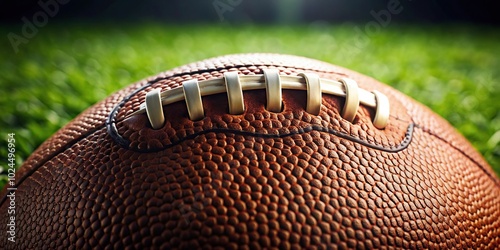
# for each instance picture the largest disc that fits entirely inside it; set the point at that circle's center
(234, 85)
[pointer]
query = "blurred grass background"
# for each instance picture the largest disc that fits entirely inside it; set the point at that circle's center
(65, 68)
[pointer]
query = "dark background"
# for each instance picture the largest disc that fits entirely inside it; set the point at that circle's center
(257, 11)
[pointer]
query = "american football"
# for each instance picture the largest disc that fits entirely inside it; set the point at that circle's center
(255, 151)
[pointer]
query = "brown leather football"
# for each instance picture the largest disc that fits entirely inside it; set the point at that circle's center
(255, 151)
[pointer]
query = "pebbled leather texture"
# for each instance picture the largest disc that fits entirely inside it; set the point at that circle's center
(287, 180)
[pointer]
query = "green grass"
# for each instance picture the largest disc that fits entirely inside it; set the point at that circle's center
(65, 68)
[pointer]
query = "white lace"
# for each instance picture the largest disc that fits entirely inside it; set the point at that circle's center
(234, 85)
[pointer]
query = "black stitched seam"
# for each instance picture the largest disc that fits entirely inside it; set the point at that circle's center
(113, 131)
(401, 146)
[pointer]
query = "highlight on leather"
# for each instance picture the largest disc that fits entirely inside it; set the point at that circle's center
(234, 85)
